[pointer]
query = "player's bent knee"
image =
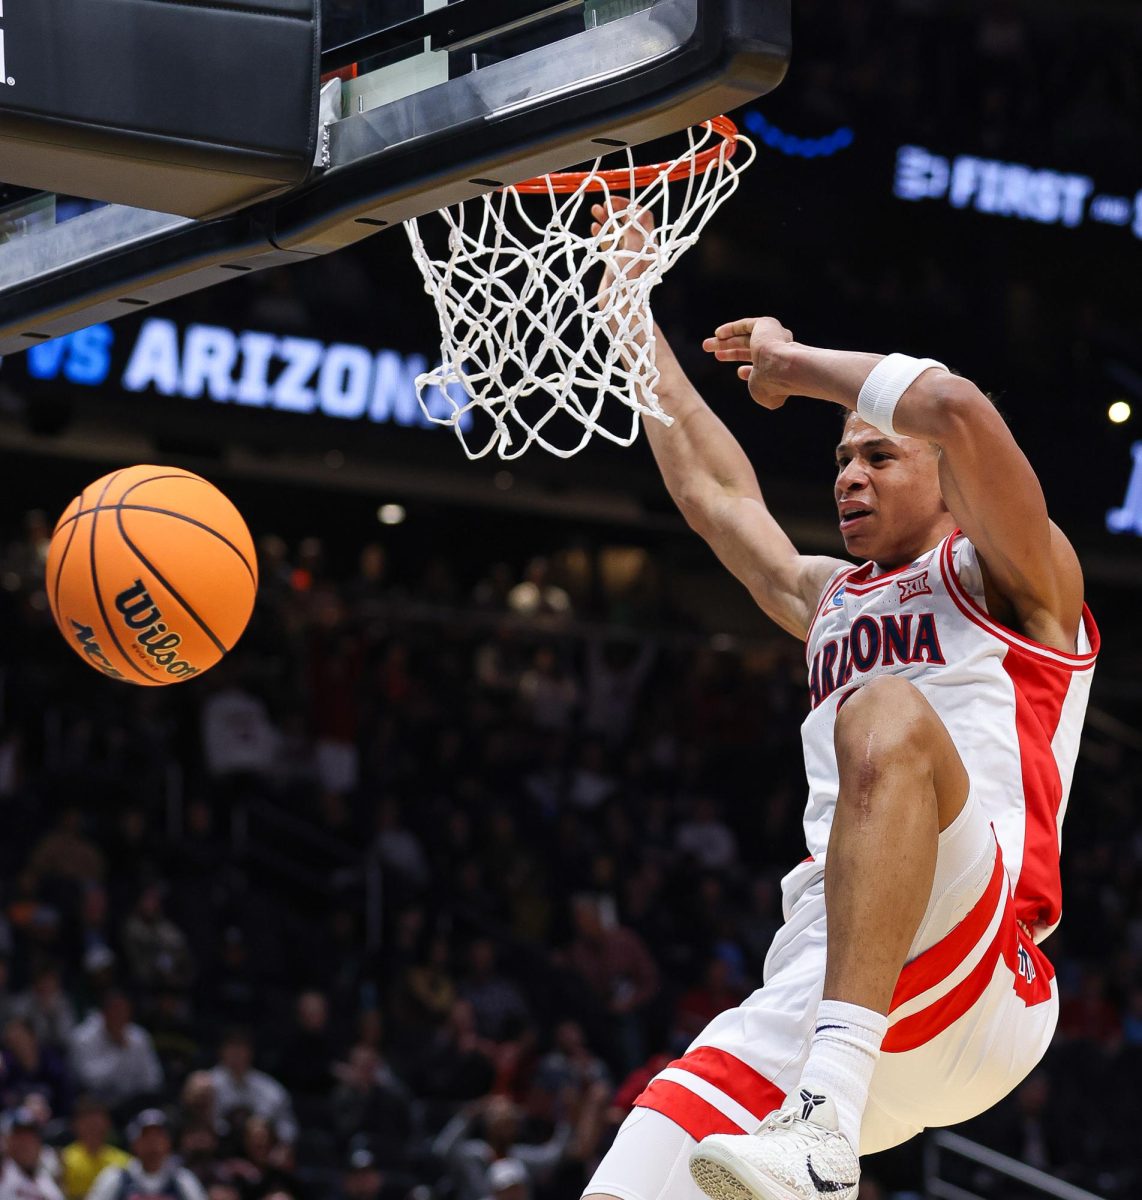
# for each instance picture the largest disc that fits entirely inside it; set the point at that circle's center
(884, 718)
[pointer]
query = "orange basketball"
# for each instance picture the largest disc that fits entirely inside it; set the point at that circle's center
(151, 575)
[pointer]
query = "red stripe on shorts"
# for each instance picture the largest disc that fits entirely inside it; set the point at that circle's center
(921, 1027)
(939, 961)
(693, 1114)
(736, 1078)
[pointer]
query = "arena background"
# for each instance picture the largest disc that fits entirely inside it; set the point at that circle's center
(486, 814)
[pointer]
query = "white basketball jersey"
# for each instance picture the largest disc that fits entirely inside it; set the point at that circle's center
(1014, 708)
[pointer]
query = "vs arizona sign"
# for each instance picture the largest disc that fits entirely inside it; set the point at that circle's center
(251, 368)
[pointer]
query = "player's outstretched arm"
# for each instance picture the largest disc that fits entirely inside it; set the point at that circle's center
(987, 483)
(713, 482)
(716, 488)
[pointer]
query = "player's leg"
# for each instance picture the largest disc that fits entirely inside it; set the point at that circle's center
(649, 1160)
(901, 783)
(735, 1073)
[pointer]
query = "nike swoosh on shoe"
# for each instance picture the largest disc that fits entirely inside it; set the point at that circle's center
(826, 1187)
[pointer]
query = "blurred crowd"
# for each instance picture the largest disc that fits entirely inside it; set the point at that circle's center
(413, 894)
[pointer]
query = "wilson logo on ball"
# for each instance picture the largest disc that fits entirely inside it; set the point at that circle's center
(85, 636)
(144, 618)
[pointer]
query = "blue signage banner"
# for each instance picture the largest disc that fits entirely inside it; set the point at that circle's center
(250, 368)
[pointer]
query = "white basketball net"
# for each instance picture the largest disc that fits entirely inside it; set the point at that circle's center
(526, 339)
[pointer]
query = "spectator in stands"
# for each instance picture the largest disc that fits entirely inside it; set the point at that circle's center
(24, 1175)
(497, 1003)
(46, 1007)
(426, 989)
(153, 1171)
(457, 1063)
(98, 978)
(706, 839)
(335, 672)
(237, 735)
(113, 1058)
(368, 592)
(570, 1063)
(239, 1086)
(508, 1180)
(615, 675)
(265, 1163)
(198, 1102)
(235, 985)
(198, 1149)
(549, 691)
(497, 1120)
(362, 1179)
(370, 1096)
(398, 847)
(30, 1067)
(155, 947)
(66, 853)
(82, 1160)
(1089, 1014)
(617, 969)
(591, 781)
(94, 913)
(306, 1067)
(714, 994)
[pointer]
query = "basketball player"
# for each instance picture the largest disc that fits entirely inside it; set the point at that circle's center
(948, 678)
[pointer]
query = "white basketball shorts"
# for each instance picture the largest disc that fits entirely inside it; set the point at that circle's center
(973, 1012)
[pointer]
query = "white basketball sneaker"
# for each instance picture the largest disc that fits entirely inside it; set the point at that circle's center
(797, 1154)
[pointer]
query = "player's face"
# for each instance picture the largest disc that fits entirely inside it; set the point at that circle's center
(888, 495)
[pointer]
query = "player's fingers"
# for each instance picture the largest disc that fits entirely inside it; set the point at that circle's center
(733, 343)
(614, 204)
(732, 329)
(733, 350)
(744, 373)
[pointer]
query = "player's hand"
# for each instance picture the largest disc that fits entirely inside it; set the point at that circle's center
(637, 247)
(751, 341)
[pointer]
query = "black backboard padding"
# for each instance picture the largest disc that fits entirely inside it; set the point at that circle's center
(379, 176)
(123, 100)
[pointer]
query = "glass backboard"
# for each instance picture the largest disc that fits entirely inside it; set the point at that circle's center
(433, 102)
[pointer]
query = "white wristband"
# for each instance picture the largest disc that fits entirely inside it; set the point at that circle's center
(886, 383)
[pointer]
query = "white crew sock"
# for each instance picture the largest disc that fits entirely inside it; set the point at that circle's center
(841, 1059)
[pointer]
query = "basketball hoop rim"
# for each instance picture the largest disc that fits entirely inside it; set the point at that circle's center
(686, 167)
